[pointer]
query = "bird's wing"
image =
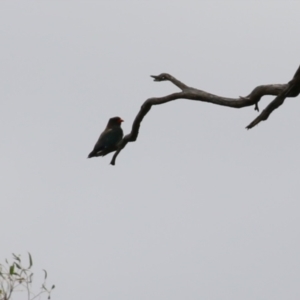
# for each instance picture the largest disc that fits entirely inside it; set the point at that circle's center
(108, 138)
(102, 141)
(114, 137)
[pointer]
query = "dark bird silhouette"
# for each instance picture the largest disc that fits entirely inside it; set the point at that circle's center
(109, 138)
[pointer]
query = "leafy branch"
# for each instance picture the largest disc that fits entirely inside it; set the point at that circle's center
(15, 277)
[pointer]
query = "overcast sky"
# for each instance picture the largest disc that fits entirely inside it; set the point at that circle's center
(198, 207)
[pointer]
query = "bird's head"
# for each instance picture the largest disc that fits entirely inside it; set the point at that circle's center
(116, 121)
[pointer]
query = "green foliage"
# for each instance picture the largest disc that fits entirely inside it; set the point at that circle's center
(14, 277)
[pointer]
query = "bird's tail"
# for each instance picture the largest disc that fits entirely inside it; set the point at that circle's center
(92, 154)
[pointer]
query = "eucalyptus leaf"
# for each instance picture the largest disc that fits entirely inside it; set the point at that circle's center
(18, 266)
(11, 269)
(30, 261)
(16, 257)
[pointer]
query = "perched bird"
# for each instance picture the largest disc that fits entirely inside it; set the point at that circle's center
(109, 138)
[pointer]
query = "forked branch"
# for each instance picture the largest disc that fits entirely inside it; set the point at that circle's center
(281, 91)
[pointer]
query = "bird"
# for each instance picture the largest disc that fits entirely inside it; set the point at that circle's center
(109, 138)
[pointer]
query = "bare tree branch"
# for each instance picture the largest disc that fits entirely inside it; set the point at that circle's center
(292, 89)
(281, 91)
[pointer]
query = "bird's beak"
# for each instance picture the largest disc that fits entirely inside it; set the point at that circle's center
(121, 121)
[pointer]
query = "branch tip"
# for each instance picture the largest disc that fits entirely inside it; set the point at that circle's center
(161, 77)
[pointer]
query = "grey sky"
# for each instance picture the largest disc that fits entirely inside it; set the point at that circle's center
(198, 207)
